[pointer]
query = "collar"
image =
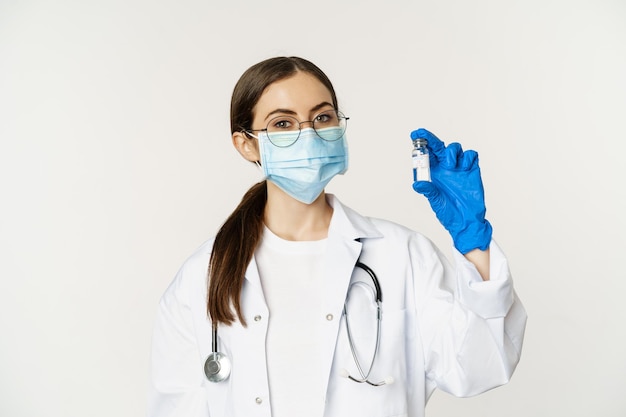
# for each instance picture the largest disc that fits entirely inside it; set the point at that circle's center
(348, 224)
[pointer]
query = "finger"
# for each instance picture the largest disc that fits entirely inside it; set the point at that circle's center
(469, 160)
(435, 145)
(452, 156)
(426, 188)
(432, 193)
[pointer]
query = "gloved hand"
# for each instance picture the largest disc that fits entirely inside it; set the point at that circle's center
(456, 193)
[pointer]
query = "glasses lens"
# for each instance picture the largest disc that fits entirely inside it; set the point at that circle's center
(283, 131)
(330, 125)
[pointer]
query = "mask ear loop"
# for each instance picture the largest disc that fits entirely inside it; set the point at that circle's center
(261, 171)
(252, 136)
(249, 134)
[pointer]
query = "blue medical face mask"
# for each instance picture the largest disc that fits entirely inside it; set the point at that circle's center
(304, 168)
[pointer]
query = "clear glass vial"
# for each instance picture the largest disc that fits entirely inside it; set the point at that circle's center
(421, 160)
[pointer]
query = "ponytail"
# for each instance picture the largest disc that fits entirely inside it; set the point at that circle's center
(232, 251)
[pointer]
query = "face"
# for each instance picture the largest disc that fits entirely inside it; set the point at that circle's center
(301, 96)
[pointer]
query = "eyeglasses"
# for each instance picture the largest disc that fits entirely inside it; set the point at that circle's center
(283, 131)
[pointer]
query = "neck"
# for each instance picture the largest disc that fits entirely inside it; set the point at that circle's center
(291, 219)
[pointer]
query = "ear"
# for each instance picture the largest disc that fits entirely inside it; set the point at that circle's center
(247, 146)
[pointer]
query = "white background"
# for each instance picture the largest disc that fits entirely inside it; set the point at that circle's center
(116, 163)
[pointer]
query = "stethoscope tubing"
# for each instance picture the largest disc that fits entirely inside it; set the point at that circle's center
(365, 376)
(372, 274)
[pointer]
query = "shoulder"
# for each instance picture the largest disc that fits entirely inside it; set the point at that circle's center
(192, 276)
(399, 241)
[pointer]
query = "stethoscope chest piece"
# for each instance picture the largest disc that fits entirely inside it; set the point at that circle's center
(217, 367)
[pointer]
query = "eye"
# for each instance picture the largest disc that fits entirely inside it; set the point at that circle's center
(326, 118)
(282, 123)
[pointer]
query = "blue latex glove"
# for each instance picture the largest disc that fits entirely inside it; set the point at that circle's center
(456, 193)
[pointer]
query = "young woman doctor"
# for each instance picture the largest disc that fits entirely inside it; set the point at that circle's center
(302, 307)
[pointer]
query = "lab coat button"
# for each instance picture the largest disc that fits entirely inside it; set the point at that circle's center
(329, 317)
(258, 400)
(257, 318)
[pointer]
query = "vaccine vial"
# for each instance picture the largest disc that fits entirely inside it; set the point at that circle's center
(421, 160)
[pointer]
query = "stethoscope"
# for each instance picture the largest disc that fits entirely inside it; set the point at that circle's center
(217, 366)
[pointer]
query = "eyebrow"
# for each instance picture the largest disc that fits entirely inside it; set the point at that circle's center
(291, 112)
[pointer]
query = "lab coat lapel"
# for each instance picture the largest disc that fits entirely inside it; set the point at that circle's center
(344, 247)
(252, 304)
(341, 258)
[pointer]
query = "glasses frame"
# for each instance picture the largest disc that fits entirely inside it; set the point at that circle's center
(340, 116)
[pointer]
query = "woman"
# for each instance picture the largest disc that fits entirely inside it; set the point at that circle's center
(296, 280)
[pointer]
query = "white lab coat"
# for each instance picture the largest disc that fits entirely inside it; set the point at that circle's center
(441, 328)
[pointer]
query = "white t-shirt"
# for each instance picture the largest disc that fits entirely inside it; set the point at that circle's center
(291, 274)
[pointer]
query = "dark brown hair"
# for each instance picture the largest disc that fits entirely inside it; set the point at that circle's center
(238, 237)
